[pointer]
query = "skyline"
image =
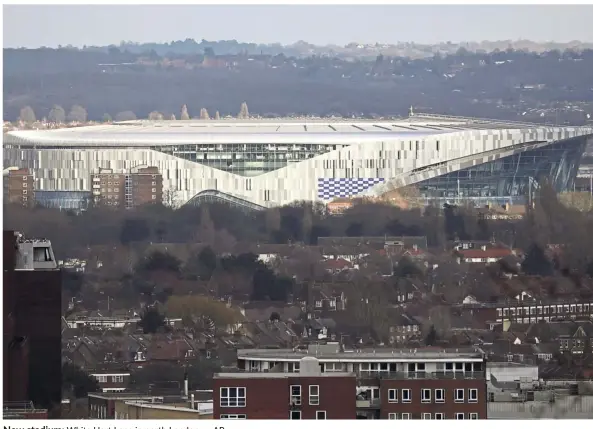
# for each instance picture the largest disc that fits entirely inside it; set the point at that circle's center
(101, 25)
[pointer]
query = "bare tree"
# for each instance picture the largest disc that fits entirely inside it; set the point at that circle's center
(173, 117)
(184, 114)
(128, 115)
(206, 230)
(307, 223)
(204, 113)
(217, 115)
(77, 114)
(244, 112)
(170, 197)
(155, 116)
(27, 115)
(57, 114)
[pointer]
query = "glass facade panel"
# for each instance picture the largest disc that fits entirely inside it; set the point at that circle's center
(511, 177)
(247, 159)
(212, 196)
(63, 200)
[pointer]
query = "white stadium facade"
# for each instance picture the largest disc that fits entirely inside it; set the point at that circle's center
(262, 163)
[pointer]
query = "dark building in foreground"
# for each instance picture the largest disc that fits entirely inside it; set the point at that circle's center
(306, 394)
(32, 326)
(429, 383)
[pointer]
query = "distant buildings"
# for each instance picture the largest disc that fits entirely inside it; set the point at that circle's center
(32, 324)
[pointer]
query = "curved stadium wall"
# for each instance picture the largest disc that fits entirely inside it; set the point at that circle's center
(263, 165)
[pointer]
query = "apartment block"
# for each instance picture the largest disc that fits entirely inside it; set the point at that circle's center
(305, 394)
(429, 383)
(139, 186)
(19, 186)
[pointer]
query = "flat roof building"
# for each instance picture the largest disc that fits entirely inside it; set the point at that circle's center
(427, 383)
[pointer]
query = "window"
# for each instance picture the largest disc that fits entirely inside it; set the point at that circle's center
(406, 395)
(233, 416)
(320, 415)
(233, 397)
(24, 178)
(458, 395)
(295, 395)
(153, 190)
(154, 197)
(314, 395)
(439, 416)
(24, 185)
(24, 192)
(473, 416)
(295, 415)
(459, 416)
(153, 183)
(101, 378)
(117, 378)
(392, 416)
(425, 395)
(473, 395)
(426, 416)
(405, 416)
(392, 395)
(439, 395)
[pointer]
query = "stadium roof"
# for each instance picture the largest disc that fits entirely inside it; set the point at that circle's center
(264, 131)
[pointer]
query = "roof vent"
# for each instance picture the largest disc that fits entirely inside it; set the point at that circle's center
(310, 366)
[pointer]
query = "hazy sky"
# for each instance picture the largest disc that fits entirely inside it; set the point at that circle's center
(34, 26)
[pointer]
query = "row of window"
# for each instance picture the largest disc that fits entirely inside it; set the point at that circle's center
(429, 416)
(114, 378)
(297, 415)
(427, 396)
(237, 396)
(548, 309)
(296, 394)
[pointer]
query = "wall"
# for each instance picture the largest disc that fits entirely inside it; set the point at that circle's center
(269, 398)
(366, 157)
(570, 407)
(415, 408)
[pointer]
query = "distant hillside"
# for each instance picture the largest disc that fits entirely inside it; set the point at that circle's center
(351, 50)
(551, 86)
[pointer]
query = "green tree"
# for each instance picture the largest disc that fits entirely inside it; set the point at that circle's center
(152, 320)
(77, 381)
(57, 114)
(77, 114)
(27, 115)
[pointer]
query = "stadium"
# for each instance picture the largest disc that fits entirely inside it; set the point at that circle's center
(261, 163)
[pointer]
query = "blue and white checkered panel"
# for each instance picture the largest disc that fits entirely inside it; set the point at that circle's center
(340, 188)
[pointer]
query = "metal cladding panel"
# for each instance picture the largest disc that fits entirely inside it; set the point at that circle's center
(363, 162)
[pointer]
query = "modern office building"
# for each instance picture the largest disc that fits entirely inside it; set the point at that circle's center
(261, 163)
(32, 326)
(429, 383)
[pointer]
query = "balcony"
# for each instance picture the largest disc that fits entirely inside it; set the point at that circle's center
(368, 403)
(385, 375)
